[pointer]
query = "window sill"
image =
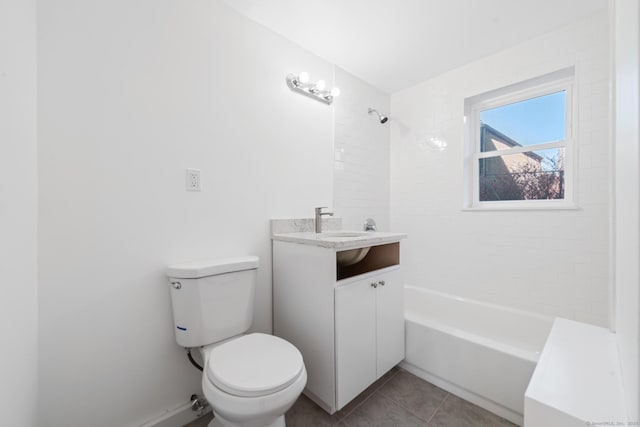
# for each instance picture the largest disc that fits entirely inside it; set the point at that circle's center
(522, 207)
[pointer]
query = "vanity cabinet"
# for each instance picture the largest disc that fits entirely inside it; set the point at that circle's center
(348, 322)
(369, 327)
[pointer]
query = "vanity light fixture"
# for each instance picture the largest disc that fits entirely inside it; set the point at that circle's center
(317, 90)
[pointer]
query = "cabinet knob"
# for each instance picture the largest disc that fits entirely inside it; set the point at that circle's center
(374, 285)
(381, 283)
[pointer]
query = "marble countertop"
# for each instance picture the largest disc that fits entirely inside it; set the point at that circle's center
(340, 239)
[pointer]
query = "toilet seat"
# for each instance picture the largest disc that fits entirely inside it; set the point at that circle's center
(254, 365)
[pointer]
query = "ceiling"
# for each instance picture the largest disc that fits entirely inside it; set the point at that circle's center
(395, 44)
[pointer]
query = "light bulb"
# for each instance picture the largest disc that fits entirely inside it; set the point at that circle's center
(335, 92)
(303, 77)
(321, 85)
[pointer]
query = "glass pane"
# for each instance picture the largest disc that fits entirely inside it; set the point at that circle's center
(532, 175)
(532, 121)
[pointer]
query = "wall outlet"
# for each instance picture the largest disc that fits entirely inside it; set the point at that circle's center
(193, 180)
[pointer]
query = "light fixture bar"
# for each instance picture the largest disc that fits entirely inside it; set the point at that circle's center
(315, 90)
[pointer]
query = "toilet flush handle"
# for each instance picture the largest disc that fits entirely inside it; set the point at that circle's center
(176, 285)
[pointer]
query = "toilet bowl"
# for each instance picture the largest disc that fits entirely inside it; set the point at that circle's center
(251, 381)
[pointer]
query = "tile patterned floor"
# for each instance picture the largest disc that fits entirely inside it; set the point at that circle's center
(398, 399)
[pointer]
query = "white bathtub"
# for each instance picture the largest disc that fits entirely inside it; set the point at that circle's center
(482, 352)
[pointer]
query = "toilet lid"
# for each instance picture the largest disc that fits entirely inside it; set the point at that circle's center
(254, 365)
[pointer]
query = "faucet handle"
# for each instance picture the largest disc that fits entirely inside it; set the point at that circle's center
(370, 225)
(320, 213)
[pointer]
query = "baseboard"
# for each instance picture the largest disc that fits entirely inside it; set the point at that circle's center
(462, 393)
(177, 417)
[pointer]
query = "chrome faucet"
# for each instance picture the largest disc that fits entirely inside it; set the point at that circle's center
(370, 225)
(319, 215)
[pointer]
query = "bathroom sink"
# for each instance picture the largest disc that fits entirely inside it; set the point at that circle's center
(344, 234)
(351, 256)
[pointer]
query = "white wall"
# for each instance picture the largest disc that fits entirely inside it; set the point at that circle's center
(361, 177)
(552, 262)
(131, 94)
(627, 195)
(18, 210)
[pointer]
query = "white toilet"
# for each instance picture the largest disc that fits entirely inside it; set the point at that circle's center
(249, 380)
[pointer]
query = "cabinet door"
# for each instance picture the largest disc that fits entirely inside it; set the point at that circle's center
(389, 321)
(355, 311)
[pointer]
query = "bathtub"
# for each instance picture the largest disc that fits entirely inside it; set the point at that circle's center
(481, 352)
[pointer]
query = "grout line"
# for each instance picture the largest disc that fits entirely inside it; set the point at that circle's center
(447, 394)
(403, 407)
(386, 381)
(438, 408)
(395, 402)
(368, 397)
(411, 411)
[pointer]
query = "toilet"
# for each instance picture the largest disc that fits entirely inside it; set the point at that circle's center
(249, 380)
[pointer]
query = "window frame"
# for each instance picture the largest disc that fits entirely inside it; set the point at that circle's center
(562, 80)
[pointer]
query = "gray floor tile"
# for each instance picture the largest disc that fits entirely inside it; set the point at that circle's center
(380, 411)
(398, 399)
(203, 421)
(414, 394)
(305, 413)
(456, 412)
(365, 394)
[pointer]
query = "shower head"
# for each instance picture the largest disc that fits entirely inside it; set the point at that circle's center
(381, 117)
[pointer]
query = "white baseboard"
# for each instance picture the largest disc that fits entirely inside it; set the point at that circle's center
(177, 417)
(480, 401)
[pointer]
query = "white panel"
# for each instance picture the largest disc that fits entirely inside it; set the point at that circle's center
(522, 332)
(18, 213)
(389, 321)
(627, 197)
(355, 339)
(540, 415)
(130, 95)
(577, 376)
(303, 277)
(550, 262)
(361, 154)
(479, 369)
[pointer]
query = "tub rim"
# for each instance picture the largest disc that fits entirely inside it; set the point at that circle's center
(512, 310)
(502, 347)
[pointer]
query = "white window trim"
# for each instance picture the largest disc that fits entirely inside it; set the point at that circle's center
(562, 80)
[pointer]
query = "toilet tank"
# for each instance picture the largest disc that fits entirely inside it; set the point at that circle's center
(212, 300)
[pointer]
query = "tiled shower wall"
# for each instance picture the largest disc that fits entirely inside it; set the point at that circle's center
(552, 262)
(361, 154)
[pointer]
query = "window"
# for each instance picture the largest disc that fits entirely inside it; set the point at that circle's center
(519, 145)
